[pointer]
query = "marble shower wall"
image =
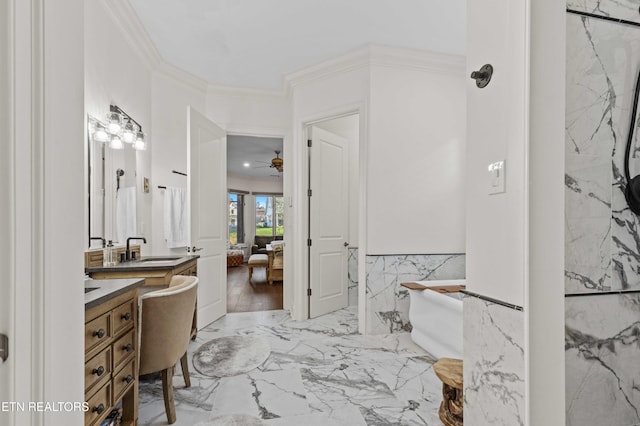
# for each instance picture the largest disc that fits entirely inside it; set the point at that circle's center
(387, 304)
(602, 236)
(494, 370)
(352, 265)
(602, 342)
(602, 250)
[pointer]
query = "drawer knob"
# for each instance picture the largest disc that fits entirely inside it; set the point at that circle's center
(126, 316)
(99, 334)
(98, 371)
(128, 347)
(128, 379)
(99, 409)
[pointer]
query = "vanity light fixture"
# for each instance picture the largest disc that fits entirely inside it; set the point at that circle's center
(247, 164)
(139, 143)
(116, 143)
(129, 132)
(100, 134)
(114, 122)
(114, 132)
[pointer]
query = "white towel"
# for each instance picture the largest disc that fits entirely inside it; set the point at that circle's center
(126, 214)
(176, 217)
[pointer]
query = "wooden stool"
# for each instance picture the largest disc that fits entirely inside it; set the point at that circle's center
(259, 260)
(449, 370)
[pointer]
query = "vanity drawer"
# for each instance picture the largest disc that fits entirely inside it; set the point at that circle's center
(97, 331)
(97, 368)
(99, 406)
(124, 316)
(124, 379)
(123, 348)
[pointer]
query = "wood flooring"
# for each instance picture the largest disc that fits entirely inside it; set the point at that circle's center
(254, 296)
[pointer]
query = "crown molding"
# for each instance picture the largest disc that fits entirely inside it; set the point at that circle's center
(182, 76)
(419, 60)
(381, 56)
(125, 17)
(213, 89)
(349, 61)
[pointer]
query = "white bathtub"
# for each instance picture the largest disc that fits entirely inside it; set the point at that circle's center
(437, 319)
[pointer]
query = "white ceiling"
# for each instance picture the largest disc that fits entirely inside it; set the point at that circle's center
(254, 43)
(256, 151)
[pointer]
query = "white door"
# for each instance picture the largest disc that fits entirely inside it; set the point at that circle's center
(207, 188)
(329, 222)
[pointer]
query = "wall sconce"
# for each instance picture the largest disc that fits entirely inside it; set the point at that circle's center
(117, 134)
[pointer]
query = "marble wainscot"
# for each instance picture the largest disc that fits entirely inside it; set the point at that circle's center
(494, 370)
(353, 276)
(387, 304)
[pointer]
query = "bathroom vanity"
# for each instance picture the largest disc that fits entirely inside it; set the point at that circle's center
(111, 348)
(156, 271)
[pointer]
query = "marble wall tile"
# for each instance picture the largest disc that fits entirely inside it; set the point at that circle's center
(601, 352)
(620, 9)
(494, 370)
(602, 250)
(387, 305)
(352, 266)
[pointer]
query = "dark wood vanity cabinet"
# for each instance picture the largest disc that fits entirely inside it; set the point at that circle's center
(111, 348)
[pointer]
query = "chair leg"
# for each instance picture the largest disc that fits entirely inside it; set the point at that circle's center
(250, 272)
(167, 391)
(185, 371)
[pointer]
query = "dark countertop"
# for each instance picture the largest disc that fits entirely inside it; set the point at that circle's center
(146, 263)
(107, 289)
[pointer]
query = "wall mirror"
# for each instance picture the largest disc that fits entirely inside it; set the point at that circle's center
(112, 182)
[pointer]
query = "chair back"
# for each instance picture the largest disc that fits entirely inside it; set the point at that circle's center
(166, 317)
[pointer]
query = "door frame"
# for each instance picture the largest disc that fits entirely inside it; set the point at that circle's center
(298, 262)
(261, 132)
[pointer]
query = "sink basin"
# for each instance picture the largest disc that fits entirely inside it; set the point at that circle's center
(88, 289)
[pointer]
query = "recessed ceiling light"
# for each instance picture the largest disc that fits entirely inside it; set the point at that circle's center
(247, 165)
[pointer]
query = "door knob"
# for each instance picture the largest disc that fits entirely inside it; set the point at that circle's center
(346, 244)
(194, 249)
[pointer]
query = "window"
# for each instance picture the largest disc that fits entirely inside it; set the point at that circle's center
(269, 215)
(236, 218)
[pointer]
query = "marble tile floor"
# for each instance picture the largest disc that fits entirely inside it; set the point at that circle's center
(320, 372)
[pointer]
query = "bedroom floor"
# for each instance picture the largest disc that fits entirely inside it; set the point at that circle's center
(319, 372)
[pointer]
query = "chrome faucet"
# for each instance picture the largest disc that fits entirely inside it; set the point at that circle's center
(128, 252)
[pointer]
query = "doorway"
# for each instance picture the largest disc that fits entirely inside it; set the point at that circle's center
(333, 206)
(255, 170)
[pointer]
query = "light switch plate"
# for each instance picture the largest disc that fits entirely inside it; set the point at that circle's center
(496, 172)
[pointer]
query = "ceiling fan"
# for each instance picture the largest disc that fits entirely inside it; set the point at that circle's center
(276, 163)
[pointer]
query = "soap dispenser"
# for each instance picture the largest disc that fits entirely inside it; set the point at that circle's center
(107, 255)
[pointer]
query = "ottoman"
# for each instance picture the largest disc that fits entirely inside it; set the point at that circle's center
(257, 260)
(234, 258)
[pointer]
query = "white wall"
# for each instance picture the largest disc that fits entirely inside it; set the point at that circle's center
(170, 99)
(116, 74)
(496, 227)
(544, 300)
(416, 160)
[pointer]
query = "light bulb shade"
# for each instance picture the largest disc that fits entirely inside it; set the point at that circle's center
(140, 144)
(100, 134)
(114, 122)
(129, 132)
(116, 143)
